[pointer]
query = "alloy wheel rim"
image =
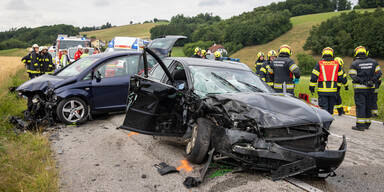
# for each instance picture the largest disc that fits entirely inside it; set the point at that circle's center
(73, 111)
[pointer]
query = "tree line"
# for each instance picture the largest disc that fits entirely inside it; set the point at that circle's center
(364, 4)
(24, 37)
(347, 31)
(250, 28)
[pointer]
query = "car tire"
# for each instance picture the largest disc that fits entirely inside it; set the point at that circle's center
(198, 146)
(72, 111)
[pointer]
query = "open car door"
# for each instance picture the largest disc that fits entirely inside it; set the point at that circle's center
(163, 46)
(152, 105)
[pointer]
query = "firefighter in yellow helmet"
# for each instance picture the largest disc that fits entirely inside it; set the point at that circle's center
(218, 56)
(260, 61)
(284, 69)
(266, 72)
(203, 54)
(31, 62)
(339, 102)
(365, 73)
(197, 53)
(326, 75)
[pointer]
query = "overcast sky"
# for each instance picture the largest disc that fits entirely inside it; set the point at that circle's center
(18, 13)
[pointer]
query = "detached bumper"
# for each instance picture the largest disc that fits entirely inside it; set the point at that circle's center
(297, 162)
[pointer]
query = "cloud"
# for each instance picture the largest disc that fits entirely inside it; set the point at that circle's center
(17, 5)
(101, 3)
(210, 3)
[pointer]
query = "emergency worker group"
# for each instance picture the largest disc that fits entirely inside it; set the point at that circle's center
(38, 62)
(281, 73)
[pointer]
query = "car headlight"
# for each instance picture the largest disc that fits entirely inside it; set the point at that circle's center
(35, 100)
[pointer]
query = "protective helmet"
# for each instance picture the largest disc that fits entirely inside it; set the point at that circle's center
(327, 52)
(260, 54)
(44, 47)
(340, 61)
(360, 50)
(203, 52)
(285, 49)
(197, 49)
(35, 46)
(217, 54)
(271, 53)
(79, 47)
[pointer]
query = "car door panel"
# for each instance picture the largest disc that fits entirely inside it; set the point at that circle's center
(154, 109)
(110, 93)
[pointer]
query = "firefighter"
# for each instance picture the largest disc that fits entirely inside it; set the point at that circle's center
(78, 53)
(218, 56)
(197, 53)
(259, 63)
(326, 75)
(284, 69)
(203, 54)
(266, 72)
(365, 73)
(45, 60)
(339, 101)
(31, 62)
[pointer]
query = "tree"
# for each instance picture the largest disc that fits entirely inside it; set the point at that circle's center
(343, 5)
(370, 3)
(155, 20)
(131, 22)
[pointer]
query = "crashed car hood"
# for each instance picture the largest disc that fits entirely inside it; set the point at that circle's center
(42, 83)
(270, 110)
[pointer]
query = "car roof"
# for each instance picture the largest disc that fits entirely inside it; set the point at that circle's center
(211, 63)
(115, 54)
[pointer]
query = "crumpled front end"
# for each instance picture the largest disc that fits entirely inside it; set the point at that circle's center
(285, 141)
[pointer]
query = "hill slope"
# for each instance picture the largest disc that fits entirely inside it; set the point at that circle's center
(296, 37)
(135, 30)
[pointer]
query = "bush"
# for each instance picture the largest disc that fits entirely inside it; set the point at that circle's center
(189, 48)
(347, 31)
(306, 63)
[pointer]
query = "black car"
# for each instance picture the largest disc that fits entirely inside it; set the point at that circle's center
(226, 107)
(94, 84)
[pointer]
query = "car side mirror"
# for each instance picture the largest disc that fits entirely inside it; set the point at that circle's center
(97, 76)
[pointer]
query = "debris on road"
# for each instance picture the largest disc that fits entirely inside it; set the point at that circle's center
(164, 168)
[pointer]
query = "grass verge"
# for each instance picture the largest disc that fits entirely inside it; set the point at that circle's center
(178, 52)
(347, 96)
(16, 52)
(26, 162)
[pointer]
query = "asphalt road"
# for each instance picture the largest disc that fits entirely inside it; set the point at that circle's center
(98, 157)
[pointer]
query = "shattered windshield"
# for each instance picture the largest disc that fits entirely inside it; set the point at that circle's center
(212, 80)
(77, 67)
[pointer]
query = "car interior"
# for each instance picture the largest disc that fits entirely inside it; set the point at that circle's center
(180, 77)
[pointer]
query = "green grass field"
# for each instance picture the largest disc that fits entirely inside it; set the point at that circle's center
(135, 30)
(16, 52)
(347, 96)
(296, 38)
(178, 52)
(26, 158)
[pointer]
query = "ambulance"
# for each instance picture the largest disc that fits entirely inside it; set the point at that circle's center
(126, 43)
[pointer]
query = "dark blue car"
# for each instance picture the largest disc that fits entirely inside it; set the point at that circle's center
(94, 84)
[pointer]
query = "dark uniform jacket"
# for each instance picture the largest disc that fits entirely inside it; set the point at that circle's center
(266, 73)
(327, 75)
(365, 73)
(32, 62)
(196, 56)
(284, 69)
(258, 66)
(46, 63)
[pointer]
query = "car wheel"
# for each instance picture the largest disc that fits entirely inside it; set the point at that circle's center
(198, 146)
(72, 111)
